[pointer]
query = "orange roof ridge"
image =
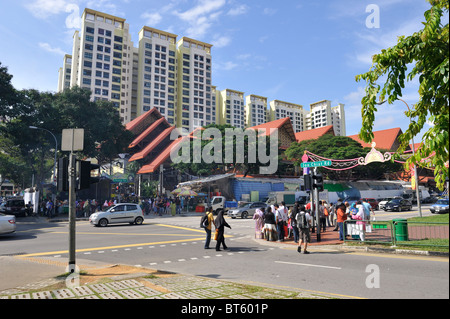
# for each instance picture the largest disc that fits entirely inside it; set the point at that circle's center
(314, 133)
(147, 131)
(142, 154)
(162, 157)
(273, 124)
(131, 125)
(384, 139)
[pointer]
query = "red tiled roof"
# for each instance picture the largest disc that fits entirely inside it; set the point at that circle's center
(134, 122)
(277, 124)
(148, 131)
(314, 133)
(150, 147)
(162, 157)
(385, 139)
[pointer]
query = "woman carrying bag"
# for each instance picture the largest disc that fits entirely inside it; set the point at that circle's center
(220, 224)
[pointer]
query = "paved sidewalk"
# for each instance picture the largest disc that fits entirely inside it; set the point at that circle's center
(126, 282)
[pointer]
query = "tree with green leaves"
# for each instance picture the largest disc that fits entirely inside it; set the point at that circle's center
(340, 148)
(24, 151)
(425, 55)
(245, 160)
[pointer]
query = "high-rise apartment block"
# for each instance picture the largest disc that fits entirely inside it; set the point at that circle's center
(156, 71)
(175, 76)
(256, 110)
(281, 110)
(65, 73)
(322, 114)
(232, 108)
(195, 107)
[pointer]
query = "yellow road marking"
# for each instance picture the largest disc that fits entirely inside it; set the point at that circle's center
(109, 247)
(427, 258)
(126, 234)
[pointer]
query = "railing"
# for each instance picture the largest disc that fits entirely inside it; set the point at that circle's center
(398, 232)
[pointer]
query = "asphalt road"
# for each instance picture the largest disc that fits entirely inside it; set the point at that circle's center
(176, 244)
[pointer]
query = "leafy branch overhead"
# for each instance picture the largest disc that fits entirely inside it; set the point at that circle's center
(424, 54)
(24, 152)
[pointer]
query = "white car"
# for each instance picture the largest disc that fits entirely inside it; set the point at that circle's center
(117, 214)
(7, 224)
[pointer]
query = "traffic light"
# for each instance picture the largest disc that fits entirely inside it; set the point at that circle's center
(318, 182)
(84, 175)
(63, 175)
(308, 182)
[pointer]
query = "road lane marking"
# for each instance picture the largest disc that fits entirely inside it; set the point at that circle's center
(307, 265)
(107, 248)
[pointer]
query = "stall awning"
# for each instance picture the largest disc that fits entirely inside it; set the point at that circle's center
(335, 187)
(210, 179)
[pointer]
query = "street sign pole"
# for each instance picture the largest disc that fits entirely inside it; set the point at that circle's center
(316, 209)
(72, 140)
(72, 211)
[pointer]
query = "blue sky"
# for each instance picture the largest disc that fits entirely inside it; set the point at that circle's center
(292, 50)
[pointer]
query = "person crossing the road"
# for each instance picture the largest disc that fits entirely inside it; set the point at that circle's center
(220, 224)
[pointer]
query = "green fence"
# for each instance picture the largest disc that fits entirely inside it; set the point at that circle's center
(398, 232)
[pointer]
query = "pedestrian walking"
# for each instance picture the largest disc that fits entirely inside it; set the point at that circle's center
(303, 224)
(220, 224)
(258, 217)
(208, 225)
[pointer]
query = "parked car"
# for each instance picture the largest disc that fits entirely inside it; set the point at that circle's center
(120, 213)
(372, 201)
(15, 207)
(398, 205)
(429, 200)
(246, 209)
(440, 207)
(7, 224)
(384, 201)
(2, 207)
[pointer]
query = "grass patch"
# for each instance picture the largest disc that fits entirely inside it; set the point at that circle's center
(437, 218)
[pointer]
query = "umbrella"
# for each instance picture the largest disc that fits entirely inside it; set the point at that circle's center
(187, 192)
(177, 191)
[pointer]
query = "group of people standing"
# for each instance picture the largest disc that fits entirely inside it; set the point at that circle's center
(276, 222)
(273, 223)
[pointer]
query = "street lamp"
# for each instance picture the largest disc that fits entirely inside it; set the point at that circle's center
(416, 178)
(56, 147)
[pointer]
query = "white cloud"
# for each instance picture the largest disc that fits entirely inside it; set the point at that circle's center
(47, 47)
(151, 19)
(45, 8)
(239, 10)
(201, 17)
(269, 11)
(225, 66)
(221, 41)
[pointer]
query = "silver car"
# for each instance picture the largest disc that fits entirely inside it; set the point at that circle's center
(246, 210)
(117, 214)
(7, 224)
